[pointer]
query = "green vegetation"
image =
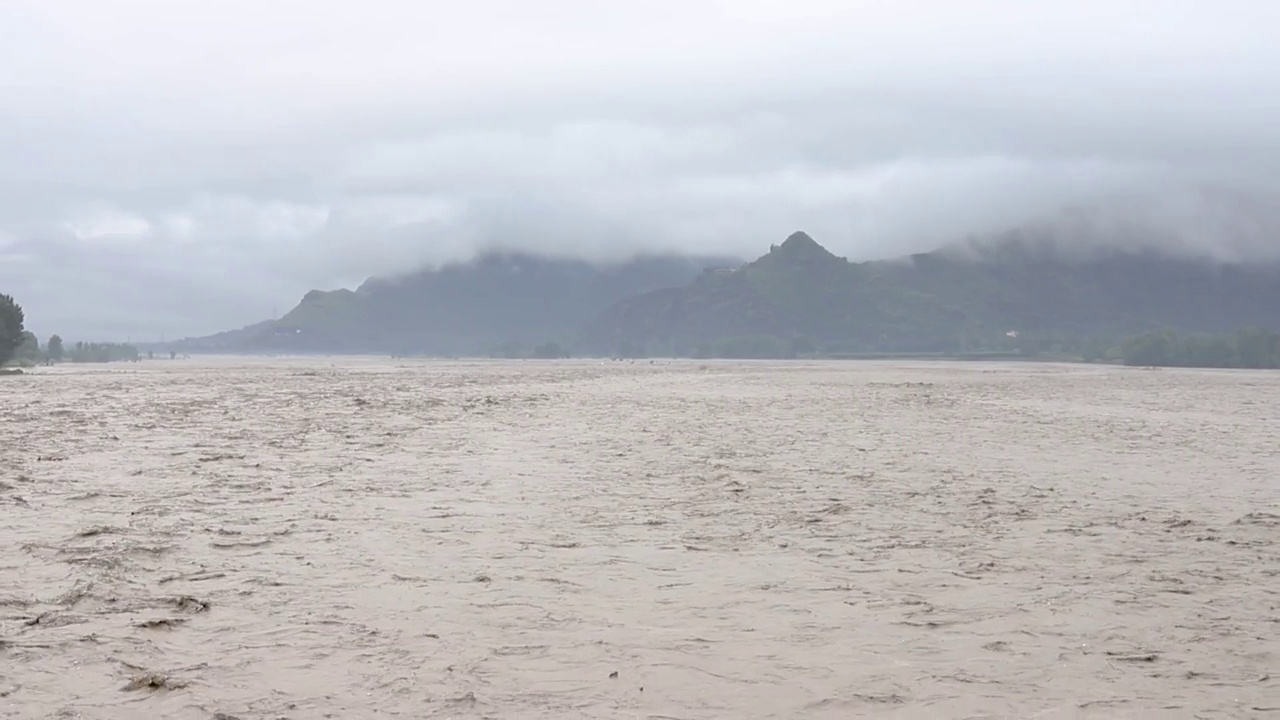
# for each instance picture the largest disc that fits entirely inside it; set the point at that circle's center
(1252, 348)
(21, 347)
(83, 352)
(497, 304)
(28, 353)
(319, 310)
(53, 349)
(1246, 349)
(757, 347)
(11, 328)
(514, 350)
(549, 351)
(1018, 297)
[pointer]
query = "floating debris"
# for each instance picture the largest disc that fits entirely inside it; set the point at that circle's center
(153, 681)
(160, 623)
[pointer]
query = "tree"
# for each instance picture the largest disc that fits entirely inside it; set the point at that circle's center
(103, 353)
(54, 348)
(11, 327)
(549, 351)
(1154, 348)
(1253, 348)
(28, 353)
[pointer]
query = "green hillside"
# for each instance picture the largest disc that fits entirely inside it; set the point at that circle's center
(1013, 295)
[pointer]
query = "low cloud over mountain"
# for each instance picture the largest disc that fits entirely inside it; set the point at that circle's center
(180, 170)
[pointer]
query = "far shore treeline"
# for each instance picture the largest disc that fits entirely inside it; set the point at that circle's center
(1245, 349)
(21, 348)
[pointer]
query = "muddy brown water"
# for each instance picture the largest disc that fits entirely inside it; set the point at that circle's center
(360, 538)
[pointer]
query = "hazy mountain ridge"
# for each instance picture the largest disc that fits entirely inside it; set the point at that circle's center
(465, 308)
(951, 300)
(962, 298)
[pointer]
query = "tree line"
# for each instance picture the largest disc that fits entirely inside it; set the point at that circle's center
(1250, 348)
(20, 346)
(1253, 348)
(1245, 349)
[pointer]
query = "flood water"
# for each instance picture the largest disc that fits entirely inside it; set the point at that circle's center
(361, 538)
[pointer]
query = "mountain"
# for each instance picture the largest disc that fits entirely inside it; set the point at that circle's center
(1025, 291)
(497, 302)
(1012, 292)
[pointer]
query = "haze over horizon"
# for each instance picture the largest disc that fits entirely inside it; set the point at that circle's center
(177, 170)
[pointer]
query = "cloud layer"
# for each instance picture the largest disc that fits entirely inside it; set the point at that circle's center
(170, 170)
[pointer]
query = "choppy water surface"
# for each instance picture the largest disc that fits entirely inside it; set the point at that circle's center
(356, 538)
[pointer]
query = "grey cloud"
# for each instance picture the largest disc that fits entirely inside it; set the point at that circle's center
(167, 168)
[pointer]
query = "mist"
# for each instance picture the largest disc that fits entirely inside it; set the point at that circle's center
(166, 170)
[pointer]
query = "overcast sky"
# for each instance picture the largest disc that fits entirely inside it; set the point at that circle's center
(184, 167)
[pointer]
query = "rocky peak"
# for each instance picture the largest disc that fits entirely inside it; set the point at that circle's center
(799, 247)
